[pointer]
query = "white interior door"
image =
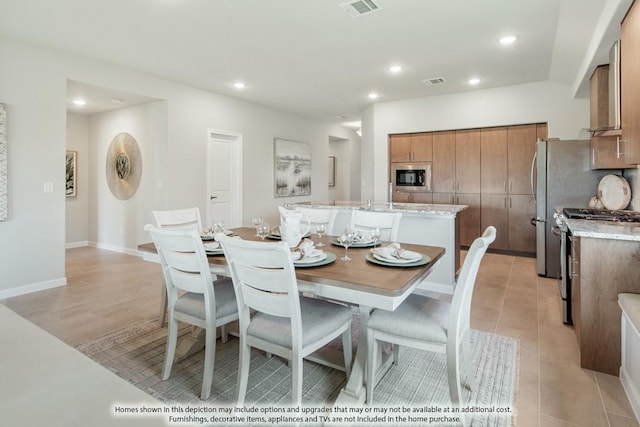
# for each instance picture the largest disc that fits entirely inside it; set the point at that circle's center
(224, 178)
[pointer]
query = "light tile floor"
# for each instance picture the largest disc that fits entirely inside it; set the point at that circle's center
(108, 290)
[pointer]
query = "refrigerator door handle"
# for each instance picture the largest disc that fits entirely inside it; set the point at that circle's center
(533, 166)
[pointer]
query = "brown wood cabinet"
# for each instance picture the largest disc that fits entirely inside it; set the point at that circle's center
(630, 83)
(522, 147)
(443, 168)
(494, 211)
(444, 198)
(602, 269)
(607, 152)
(511, 215)
(599, 97)
(415, 197)
(493, 160)
(468, 161)
(410, 147)
(469, 218)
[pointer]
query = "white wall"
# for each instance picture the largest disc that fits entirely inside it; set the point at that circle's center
(527, 103)
(340, 149)
(33, 85)
(77, 208)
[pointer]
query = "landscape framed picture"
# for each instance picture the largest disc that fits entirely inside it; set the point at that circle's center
(292, 168)
(71, 174)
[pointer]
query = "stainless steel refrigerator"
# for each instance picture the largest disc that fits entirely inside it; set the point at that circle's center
(561, 176)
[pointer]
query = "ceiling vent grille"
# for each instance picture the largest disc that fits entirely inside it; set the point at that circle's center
(358, 8)
(434, 81)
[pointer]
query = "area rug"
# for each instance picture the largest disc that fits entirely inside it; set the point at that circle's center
(418, 385)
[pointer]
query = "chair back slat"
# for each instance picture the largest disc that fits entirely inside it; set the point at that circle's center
(189, 282)
(180, 219)
(275, 304)
(387, 222)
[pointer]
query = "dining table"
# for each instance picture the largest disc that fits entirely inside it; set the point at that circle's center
(363, 282)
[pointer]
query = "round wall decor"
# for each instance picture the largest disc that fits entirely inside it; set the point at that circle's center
(124, 166)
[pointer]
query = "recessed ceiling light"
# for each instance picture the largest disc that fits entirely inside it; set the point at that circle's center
(395, 69)
(373, 95)
(79, 102)
(239, 85)
(507, 40)
(117, 100)
(474, 81)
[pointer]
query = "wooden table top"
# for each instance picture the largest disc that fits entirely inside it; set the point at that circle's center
(357, 274)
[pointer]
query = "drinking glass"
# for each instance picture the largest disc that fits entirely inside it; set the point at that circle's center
(346, 239)
(375, 235)
(263, 230)
(257, 221)
(320, 230)
(218, 226)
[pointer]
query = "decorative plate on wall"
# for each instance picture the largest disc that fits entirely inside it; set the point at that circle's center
(124, 166)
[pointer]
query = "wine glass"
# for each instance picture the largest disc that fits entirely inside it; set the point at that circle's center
(263, 230)
(375, 235)
(257, 221)
(346, 239)
(320, 230)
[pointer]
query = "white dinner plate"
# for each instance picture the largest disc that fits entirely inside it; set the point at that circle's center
(311, 260)
(366, 244)
(422, 261)
(328, 259)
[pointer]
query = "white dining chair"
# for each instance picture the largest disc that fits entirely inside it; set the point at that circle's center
(432, 324)
(320, 216)
(274, 317)
(387, 222)
(202, 302)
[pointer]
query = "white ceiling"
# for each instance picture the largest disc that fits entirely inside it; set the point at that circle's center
(311, 58)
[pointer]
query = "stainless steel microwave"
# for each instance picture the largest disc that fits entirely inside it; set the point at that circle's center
(411, 176)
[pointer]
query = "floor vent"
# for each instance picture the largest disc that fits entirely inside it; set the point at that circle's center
(434, 81)
(358, 8)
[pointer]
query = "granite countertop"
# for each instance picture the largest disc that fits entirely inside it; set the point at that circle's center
(416, 208)
(604, 229)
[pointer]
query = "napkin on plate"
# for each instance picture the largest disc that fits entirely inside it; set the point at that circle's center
(362, 236)
(213, 246)
(394, 253)
(305, 249)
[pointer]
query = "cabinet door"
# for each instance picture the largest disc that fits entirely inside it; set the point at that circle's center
(399, 148)
(630, 83)
(401, 197)
(493, 160)
(468, 161)
(599, 97)
(607, 152)
(522, 146)
(469, 218)
(494, 212)
(421, 147)
(444, 198)
(521, 234)
(443, 169)
(425, 198)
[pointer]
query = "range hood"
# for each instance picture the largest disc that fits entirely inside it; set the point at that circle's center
(614, 124)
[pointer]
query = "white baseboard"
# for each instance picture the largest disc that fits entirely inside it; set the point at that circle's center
(115, 248)
(34, 287)
(72, 245)
(633, 394)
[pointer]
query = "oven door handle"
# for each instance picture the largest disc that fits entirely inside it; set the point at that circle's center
(555, 230)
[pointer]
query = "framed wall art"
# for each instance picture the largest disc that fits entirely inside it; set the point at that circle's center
(71, 173)
(292, 168)
(332, 171)
(4, 208)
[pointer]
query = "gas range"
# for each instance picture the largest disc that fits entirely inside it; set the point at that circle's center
(602, 214)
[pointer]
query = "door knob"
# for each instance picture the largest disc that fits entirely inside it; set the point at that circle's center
(213, 197)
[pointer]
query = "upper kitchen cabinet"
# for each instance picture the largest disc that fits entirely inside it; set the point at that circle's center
(493, 159)
(443, 169)
(468, 161)
(410, 147)
(630, 83)
(522, 147)
(607, 152)
(599, 97)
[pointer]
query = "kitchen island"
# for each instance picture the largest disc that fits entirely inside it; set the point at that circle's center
(423, 224)
(605, 262)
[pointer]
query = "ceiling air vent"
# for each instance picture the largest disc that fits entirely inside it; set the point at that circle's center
(434, 81)
(358, 8)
